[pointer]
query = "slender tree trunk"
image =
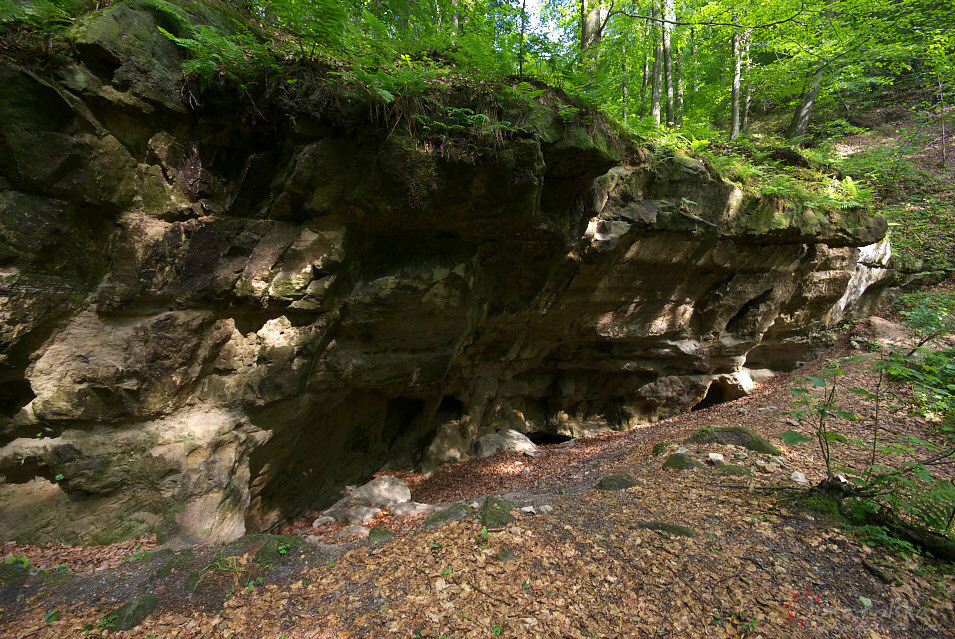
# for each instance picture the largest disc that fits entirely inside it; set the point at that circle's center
(668, 12)
(747, 80)
(737, 74)
(455, 18)
(678, 115)
(520, 60)
(941, 95)
(406, 18)
(695, 76)
(646, 72)
(803, 112)
(623, 74)
(657, 65)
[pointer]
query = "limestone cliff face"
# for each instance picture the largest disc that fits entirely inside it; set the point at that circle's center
(211, 318)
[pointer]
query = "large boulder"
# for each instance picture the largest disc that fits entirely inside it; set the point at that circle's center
(506, 439)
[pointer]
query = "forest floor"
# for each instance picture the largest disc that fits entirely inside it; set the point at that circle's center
(599, 565)
(911, 166)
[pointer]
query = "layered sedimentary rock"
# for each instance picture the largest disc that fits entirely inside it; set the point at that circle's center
(214, 316)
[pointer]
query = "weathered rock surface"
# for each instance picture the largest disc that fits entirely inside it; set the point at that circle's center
(681, 461)
(213, 318)
(734, 435)
(506, 439)
(366, 502)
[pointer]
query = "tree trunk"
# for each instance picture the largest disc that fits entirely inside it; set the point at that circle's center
(737, 75)
(695, 77)
(406, 18)
(623, 74)
(748, 99)
(678, 115)
(646, 73)
(455, 17)
(657, 65)
(591, 23)
(520, 60)
(941, 95)
(800, 119)
(668, 12)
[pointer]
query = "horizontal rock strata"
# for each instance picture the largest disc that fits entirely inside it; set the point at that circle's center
(214, 317)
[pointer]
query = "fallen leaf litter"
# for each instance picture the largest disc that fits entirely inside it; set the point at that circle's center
(755, 567)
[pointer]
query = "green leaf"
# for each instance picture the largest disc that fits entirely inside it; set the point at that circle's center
(817, 381)
(59, 477)
(845, 415)
(791, 437)
(385, 95)
(446, 571)
(52, 616)
(865, 601)
(835, 437)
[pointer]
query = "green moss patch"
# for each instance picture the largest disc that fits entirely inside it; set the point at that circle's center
(496, 512)
(740, 471)
(681, 461)
(618, 481)
(168, 561)
(735, 435)
(454, 512)
(132, 613)
(278, 549)
(822, 504)
(379, 535)
(13, 571)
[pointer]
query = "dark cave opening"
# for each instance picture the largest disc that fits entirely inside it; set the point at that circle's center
(715, 394)
(542, 439)
(14, 395)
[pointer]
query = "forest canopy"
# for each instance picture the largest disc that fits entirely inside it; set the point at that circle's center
(656, 63)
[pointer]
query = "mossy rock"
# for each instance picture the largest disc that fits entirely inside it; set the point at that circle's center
(454, 512)
(496, 512)
(681, 461)
(618, 481)
(169, 561)
(735, 435)
(13, 571)
(279, 548)
(822, 504)
(504, 556)
(192, 581)
(739, 471)
(379, 535)
(132, 613)
(660, 448)
(57, 576)
(674, 530)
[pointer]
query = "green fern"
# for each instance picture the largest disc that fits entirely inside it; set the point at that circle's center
(239, 58)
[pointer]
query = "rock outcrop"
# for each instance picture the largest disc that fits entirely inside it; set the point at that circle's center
(214, 317)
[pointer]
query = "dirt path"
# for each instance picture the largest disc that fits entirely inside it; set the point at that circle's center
(597, 566)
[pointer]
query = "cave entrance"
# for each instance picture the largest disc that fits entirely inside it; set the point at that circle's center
(717, 393)
(14, 395)
(542, 439)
